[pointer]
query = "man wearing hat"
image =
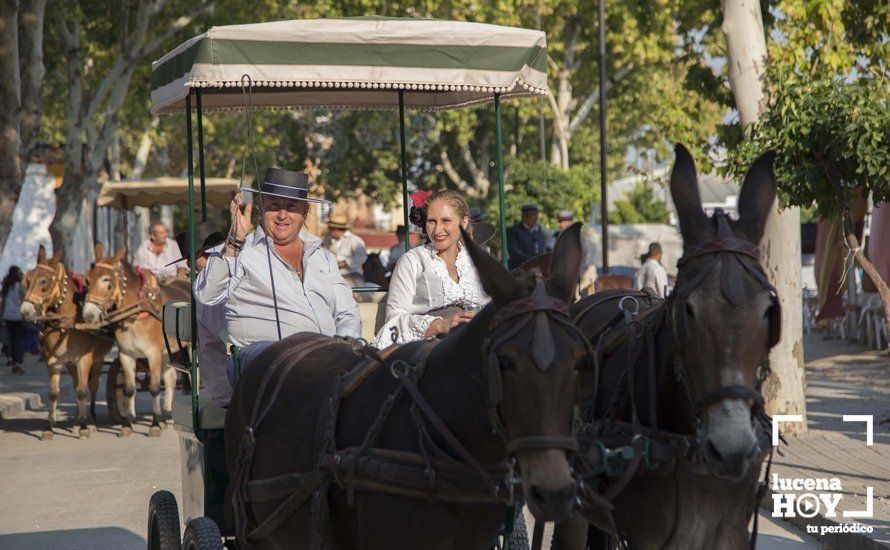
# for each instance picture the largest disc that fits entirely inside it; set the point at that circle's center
(526, 239)
(310, 295)
(347, 247)
(211, 319)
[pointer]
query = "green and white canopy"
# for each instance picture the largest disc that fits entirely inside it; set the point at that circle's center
(353, 63)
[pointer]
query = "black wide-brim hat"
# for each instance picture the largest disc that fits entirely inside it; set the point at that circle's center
(286, 184)
(207, 235)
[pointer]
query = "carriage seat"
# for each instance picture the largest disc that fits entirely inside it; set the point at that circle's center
(177, 318)
(211, 415)
(373, 315)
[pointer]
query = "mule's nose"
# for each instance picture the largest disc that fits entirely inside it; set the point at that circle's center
(733, 465)
(551, 504)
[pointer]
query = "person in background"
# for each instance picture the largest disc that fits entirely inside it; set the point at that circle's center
(564, 218)
(396, 251)
(158, 254)
(212, 335)
(11, 294)
(347, 247)
(652, 274)
(526, 239)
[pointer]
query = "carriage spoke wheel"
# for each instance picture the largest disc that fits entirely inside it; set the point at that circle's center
(114, 393)
(163, 522)
(202, 534)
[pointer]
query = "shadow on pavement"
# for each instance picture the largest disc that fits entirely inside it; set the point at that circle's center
(96, 537)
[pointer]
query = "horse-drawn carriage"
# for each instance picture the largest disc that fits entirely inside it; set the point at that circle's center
(125, 196)
(651, 410)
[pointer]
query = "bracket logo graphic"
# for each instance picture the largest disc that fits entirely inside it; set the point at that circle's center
(808, 497)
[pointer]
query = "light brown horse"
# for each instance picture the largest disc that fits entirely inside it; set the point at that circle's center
(130, 304)
(51, 297)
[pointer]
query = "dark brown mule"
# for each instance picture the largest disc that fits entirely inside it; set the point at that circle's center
(691, 384)
(52, 298)
(130, 304)
(500, 386)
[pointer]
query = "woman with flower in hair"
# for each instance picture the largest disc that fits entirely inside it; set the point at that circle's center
(434, 287)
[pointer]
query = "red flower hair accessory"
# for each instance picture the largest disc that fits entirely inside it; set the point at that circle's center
(419, 198)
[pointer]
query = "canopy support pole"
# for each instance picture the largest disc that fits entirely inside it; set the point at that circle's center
(604, 206)
(405, 205)
(201, 154)
(499, 140)
(193, 363)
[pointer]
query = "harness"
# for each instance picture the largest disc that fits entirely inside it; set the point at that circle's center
(109, 305)
(58, 281)
(450, 474)
(619, 449)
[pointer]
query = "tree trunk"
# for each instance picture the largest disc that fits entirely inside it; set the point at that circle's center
(780, 247)
(11, 167)
(868, 267)
(68, 204)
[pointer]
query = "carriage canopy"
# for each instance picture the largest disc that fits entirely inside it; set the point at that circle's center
(165, 190)
(353, 63)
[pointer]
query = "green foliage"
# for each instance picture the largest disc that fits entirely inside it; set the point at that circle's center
(831, 134)
(550, 187)
(639, 206)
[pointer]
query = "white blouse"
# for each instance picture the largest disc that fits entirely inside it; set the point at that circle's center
(420, 283)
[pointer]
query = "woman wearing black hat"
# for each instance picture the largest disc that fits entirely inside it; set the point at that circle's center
(311, 294)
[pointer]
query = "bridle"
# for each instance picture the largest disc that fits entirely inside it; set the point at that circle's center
(542, 310)
(58, 282)
(113, 299)
(733, 253)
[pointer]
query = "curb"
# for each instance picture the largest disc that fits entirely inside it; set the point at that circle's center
(839, 541)
(15, 403)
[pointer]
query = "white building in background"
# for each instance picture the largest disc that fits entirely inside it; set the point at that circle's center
(31, 218)
(716, 191)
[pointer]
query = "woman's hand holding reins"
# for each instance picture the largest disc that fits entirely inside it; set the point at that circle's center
(444, 325)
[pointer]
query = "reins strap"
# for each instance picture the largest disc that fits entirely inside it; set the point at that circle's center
(442, 429)
(308, 484)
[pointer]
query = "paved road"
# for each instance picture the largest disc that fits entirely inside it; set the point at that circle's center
(72, 493)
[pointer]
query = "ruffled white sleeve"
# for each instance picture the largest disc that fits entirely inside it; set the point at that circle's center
(402, 324)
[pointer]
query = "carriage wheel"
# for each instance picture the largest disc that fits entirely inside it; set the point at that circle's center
(202, 534)
(163, 522)
(114, 392)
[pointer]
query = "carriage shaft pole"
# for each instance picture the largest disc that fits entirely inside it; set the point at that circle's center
(405, 205)
(501, 203)
(193, 363)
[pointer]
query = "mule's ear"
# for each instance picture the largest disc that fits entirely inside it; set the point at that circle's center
(98, 251)
(57, 256)
(565, 264)
(41, 254)
(496, 280)
(757, 196)
(684, 192)
(121, 252)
